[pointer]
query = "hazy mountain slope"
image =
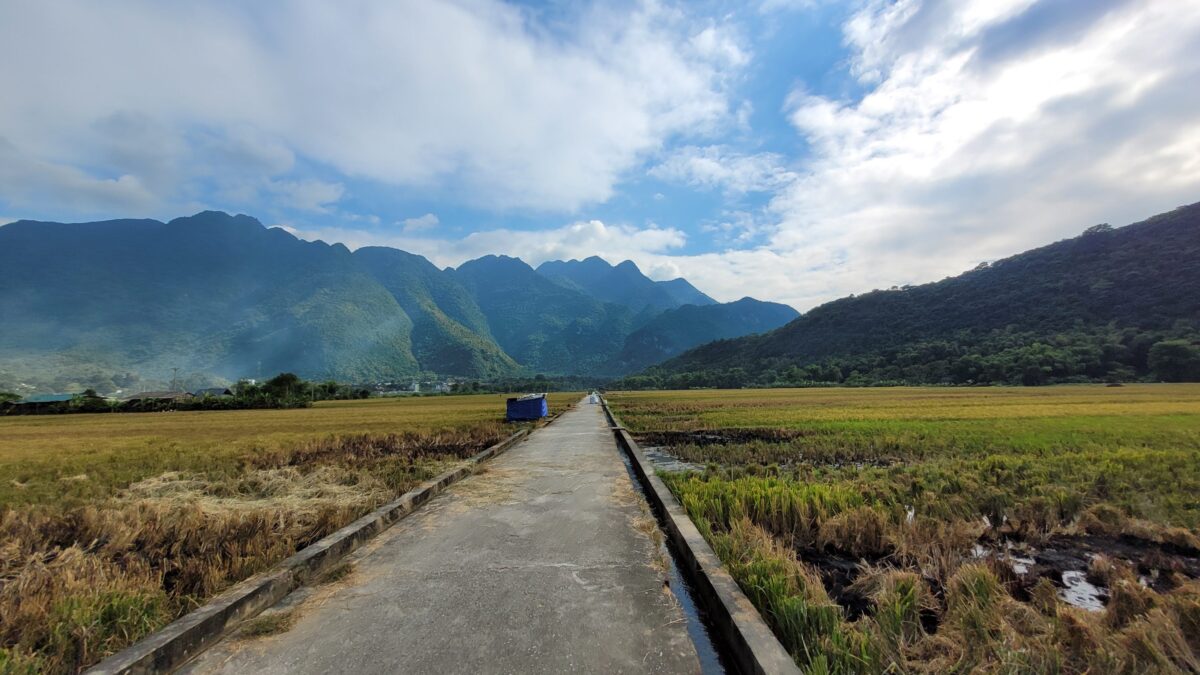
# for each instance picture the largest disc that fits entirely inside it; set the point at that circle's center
(623, 284)
(220, 295)
(212, 293)
(450, 333)
(684, 293)
(543, 325)
(1144, 276)
(680, 329)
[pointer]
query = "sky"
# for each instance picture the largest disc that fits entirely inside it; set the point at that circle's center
(790, 150)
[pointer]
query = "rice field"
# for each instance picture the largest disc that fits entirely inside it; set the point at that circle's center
(950, 530)
(112, 525)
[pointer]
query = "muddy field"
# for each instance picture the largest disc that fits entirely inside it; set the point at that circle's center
(928, 530)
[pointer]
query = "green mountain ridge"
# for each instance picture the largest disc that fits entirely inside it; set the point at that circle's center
(677, 330)
(215, 296)
(211, 292)
(684, 293)
(450, 333)
(622, 284)
(1086, 308)
(541, 323)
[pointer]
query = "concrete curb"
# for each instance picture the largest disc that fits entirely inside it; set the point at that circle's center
(746, 638)
(173, 645)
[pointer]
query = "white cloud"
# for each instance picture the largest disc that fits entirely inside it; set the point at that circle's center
(720, 167)
(505, 113)
(425, 222)
(766, 6)
(986, 127)
(29, 182)
(719, 44)
(986, 131)
(574, 240)
(307, 195)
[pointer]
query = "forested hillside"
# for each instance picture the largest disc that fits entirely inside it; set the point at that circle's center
(1115, 304)
(212, 292)
(677, 330)
(450, 333)
(622, 284)
(542, 324)
(113, 305)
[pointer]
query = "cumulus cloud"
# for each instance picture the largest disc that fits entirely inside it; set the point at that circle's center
(718, 44)
(721, 167)
(976, 137)
(473, 96)
(976, 140)
(28, 181)
(307, 195)
(425, 222)
(738, 228)
(974, 128)
(574, 240)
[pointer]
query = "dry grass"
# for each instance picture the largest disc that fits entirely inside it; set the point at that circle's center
(44, 457)
(269, 623)
(901, 484)
(169, 514)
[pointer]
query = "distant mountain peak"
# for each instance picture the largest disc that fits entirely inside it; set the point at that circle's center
(623, 284)
(685, 293)
(224, 296)
(492, 261)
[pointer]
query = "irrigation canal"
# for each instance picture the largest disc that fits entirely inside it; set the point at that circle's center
(535, 565)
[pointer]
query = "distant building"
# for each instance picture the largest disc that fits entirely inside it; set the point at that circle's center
(215, 392)
(56, 403)
(46, 398)
(40, 402)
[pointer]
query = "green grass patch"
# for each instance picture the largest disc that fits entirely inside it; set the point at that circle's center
(852, 519)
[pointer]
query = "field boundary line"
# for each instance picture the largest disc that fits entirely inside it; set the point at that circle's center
(178, 642)
(744, 634)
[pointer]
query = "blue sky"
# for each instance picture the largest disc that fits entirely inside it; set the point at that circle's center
(794, 150)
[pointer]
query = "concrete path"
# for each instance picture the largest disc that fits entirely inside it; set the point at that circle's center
(535, 565)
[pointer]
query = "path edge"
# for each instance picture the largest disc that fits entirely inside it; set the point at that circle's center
(745, 636)
(181, 640)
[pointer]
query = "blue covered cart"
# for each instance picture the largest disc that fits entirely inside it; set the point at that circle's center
(527, 407)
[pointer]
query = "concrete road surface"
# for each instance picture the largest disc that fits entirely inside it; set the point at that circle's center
(535, 565)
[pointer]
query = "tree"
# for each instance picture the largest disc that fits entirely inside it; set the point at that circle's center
(1175, 361)
(284, 385)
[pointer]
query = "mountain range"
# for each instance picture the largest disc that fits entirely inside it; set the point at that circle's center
(106, 303)
(1088, 308)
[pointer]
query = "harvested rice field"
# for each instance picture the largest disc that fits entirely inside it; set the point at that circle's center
(913, 530)
(112, 525)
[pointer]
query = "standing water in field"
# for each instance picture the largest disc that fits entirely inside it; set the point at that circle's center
(665, 461)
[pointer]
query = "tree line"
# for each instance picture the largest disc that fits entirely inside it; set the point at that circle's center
(285, 390)
(1001, 357)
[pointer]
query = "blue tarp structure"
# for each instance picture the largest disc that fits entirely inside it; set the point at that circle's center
(527, 407)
